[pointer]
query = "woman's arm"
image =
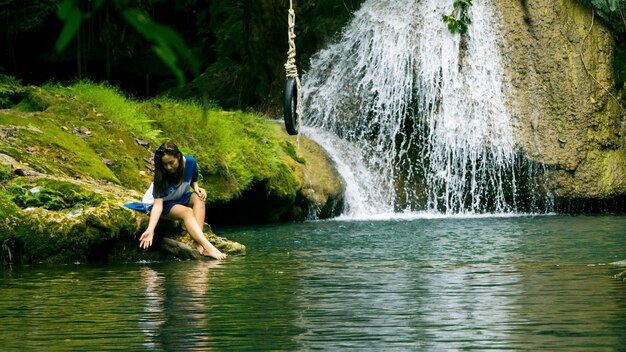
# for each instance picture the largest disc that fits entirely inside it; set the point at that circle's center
(199, 191)
(145, 240)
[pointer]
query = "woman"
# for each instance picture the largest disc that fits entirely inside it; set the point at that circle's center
(170, 197)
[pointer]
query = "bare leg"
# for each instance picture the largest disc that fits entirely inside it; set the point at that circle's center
(182, 212)
(198, 209)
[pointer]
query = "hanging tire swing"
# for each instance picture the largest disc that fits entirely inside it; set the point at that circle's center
(292, 103)
(291, 106)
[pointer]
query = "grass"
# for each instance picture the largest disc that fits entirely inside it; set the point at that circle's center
(91, 130)
(234, 149)
(50, 194)
(110, 104)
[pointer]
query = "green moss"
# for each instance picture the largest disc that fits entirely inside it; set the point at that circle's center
(234, 149)
(49, 146)
(290, 149)
(90, 130)
(108, 103)
(84, 130)
(7, 208)
(10, 95)
(50, 194)
(283, 183)
(40, 235)
(5, 173)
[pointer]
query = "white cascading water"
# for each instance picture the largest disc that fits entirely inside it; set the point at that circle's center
(413, 115)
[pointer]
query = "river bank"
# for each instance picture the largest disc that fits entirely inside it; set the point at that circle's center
(71, 156)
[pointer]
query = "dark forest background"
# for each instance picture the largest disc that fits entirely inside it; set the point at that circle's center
(241, 45)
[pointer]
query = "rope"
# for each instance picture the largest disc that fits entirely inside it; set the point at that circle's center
(290, 66)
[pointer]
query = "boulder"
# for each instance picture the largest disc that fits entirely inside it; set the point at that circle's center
(56, 219)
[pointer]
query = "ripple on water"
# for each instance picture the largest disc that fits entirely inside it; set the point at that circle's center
(522, 283)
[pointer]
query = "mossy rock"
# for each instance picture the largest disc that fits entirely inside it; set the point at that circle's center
(50, 194)
(99, 229)
(10, 94)
(71, 157)
(64, 235)
(5, 173)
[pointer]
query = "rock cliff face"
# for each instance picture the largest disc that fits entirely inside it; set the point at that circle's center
(562, 95)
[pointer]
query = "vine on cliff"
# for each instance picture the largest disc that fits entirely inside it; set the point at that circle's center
(459, 20)
(611, 11)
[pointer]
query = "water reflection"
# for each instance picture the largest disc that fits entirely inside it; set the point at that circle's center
(440, 288)
(470, 306)
(177, 307)
(437, 284)
(560, 308)
(154, 311)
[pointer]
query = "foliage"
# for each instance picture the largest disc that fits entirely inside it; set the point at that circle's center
(227, 25)
(290, 150)
(4, 79)
(112, 104)
(50, 194)
(19, 16)
(8, 96)
(234, 149)
(240, 46)
(245, 66)
(10, 91)
(611, 11)
(168, 45)
(459, 19)
(5, 173)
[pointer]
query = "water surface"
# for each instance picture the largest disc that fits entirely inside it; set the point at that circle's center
(432, 284)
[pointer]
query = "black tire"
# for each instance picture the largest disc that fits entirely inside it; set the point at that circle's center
(291, 103)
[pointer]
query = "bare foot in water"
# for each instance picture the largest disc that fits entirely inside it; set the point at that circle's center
(211, 252)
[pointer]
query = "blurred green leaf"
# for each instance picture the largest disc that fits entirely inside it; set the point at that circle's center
(71, 15)
(66, 8)
(168, 45)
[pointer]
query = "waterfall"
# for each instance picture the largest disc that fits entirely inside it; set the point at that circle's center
(415, 116)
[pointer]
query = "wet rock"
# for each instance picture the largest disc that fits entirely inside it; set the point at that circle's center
(108, 162)
(82, 130)
(142, 142)
(560, 68)
(95, 231)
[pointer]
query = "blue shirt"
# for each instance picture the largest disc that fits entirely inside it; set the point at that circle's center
(174, 193)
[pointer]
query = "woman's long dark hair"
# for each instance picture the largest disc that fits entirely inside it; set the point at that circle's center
(162, 178)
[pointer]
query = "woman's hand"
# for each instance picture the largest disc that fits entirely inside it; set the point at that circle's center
(201, 193)
(145, 240)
